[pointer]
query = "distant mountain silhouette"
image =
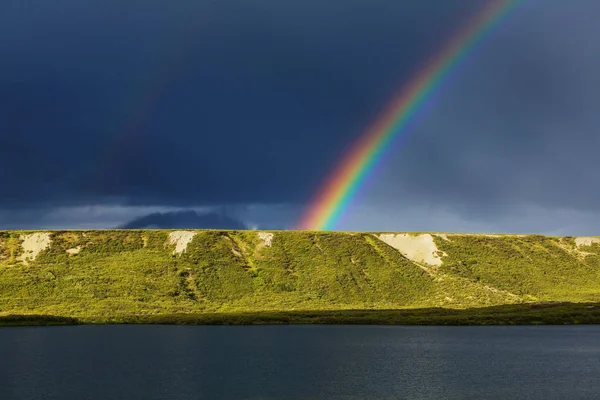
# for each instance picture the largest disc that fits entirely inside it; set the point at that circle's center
(187, 219)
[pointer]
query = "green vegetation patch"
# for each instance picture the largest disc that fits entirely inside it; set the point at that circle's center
(534, 266)
(136, 275)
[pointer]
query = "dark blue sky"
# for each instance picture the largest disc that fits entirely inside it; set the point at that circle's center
(110, 110)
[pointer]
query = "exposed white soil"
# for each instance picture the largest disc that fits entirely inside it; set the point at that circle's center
(579, 242)
(236, 253)
(495, 290)
(33, 244)
(443, 236)
(74, 250)
(586, 241)
(420, 248)
(266, 237)
(181, 239)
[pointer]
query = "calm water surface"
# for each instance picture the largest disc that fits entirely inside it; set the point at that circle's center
(300, 362)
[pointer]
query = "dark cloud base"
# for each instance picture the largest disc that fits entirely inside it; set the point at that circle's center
(185, 219)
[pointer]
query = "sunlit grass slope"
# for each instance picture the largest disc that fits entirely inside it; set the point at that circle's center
(99, 276)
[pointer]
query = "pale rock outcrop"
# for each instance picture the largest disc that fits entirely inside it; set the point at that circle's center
(586, 241)
(181, 239)
(33, 244)
(266, 237)
(74, 250)
(418, 248)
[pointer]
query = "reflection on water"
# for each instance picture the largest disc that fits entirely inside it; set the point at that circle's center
(299, 362)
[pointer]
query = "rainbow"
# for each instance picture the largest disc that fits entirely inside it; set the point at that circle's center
(145, 99)
(342, 186)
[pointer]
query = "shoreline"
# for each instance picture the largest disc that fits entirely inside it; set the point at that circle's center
(521, 314)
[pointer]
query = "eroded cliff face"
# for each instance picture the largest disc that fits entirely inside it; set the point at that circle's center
(140, 272)
(418, 248)
(33, 244)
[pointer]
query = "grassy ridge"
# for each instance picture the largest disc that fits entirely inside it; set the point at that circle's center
(135, 276)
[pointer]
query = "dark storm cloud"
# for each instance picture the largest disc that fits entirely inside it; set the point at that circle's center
(153, 103)
(196, 102)
(185, 219)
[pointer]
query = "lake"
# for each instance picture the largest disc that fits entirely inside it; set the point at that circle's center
(299, 362)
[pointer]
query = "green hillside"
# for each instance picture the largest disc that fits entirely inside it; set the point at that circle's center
(203, 276)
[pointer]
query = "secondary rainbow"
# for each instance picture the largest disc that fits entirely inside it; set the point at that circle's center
(339, 190)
